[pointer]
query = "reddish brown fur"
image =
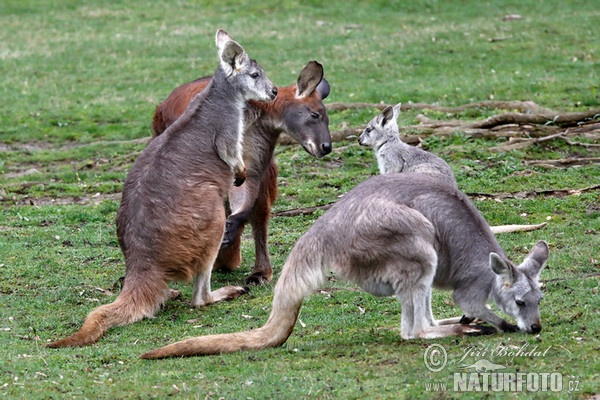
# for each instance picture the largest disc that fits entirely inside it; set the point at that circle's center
(169, 110)
(264, 123)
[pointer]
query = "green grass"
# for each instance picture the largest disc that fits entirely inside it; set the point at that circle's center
(80, 80)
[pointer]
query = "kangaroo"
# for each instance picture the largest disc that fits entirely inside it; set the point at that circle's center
(172, 215)
(398, 235)
(299, 111)
(393, 155)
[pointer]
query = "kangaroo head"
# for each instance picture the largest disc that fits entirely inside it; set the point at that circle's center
(242, 71)
(381, 128)
(517, 290)
(303, 112)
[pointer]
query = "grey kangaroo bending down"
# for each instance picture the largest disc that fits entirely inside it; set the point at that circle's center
(398, 235)
(299, 111)
(393, 155)
(172, 215)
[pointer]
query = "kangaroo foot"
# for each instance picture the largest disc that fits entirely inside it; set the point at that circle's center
(222, 294)
(259, 278)
(479, 330)
(229, 293)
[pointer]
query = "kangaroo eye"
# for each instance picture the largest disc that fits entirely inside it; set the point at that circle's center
(369, 129)
(520, 303)
(314, 115)
(254, 75)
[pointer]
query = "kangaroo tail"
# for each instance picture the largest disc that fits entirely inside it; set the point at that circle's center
(136, 301)
(274, 333)
(299, 278)
(516, 228)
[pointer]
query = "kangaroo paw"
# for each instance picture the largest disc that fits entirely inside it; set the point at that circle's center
(506, 327)
(466, 320)
(231, 228)
(240, 177)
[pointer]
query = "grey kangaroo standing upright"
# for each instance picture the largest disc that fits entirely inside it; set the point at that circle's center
(393, 155)
(398, 235)
(172, 215)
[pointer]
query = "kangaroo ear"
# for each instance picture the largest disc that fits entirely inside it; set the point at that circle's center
(397, 109)
(323, 88)
(222, 37)
(309, 79)
(535, 260)
(231, 53)
(388, 115)
(502, 269)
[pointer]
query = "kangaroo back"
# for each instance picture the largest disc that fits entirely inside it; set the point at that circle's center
(174, 106)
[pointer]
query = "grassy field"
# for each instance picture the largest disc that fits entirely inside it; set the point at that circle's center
(80, 80)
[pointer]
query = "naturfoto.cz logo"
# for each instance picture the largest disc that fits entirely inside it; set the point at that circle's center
(483, 375)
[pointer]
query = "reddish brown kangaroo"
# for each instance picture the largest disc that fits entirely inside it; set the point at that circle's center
(299, 111)
(172, 215)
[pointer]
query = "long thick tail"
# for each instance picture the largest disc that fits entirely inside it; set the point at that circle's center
(136, 301)
(274, 333)
(516, 228)
(301, 275)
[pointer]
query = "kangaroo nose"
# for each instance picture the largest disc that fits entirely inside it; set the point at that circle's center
(326, 147)
(535, 328)
(274, 91)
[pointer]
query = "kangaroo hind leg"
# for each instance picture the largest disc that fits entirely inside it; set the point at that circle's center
(415, 297)
(203, 295)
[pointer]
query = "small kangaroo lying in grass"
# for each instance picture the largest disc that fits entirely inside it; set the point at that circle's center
(299, 111)
(398, 235)
(393, 155)
(172, 215)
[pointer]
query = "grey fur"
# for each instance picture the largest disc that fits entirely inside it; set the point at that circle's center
(393, 155)
(250, 83)
(393, 233)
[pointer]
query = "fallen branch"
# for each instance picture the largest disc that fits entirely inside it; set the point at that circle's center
(521, 143)
(516, 228)
(571, 143)
(534, 193)
(564, 119)
(301, 211)
(564, 162)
